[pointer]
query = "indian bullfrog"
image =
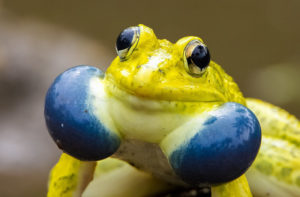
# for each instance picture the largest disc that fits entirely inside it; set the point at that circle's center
(164, 117)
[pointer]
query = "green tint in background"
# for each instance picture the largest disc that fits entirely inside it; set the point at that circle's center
(245, 37)
(256, 42)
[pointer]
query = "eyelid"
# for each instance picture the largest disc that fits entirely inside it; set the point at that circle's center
(191, 46)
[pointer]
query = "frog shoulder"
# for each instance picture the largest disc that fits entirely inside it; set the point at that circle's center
(276, 122)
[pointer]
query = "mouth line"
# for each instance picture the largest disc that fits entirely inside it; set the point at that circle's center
(153, 104)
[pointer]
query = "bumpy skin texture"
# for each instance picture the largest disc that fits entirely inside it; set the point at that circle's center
(183, 129)
(70, 176)
(276, 170)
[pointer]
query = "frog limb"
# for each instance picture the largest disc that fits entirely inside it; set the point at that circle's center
(236, 188)
(69, 177)
(114, 177)
(109, 177)
(276, 170)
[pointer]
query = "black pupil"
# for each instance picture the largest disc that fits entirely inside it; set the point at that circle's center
(200, 56)
(125, 38)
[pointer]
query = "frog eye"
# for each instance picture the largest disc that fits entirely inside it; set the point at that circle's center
(127, 41)
(197, 58)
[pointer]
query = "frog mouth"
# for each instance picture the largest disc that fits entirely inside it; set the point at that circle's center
(159, 102)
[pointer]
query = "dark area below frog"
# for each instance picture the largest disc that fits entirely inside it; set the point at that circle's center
(201, 192)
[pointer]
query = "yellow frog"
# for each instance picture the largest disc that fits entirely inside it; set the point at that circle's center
(165, 118)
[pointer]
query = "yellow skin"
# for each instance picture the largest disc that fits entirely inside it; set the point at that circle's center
(152, 83)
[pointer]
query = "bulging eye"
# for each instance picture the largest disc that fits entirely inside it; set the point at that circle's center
(197, 58)
(127, 41)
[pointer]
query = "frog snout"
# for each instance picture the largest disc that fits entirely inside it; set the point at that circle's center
(223, 149)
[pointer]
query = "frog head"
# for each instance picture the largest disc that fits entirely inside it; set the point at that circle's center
(157, 69)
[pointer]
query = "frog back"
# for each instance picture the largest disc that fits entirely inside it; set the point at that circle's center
(276, 170)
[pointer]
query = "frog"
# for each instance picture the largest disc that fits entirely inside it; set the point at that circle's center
(163, 119)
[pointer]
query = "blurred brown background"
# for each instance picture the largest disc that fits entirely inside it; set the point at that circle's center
(257, 42)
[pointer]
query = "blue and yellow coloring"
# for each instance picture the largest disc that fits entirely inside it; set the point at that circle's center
(221, 148)
(167, 110)
(70, 119)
